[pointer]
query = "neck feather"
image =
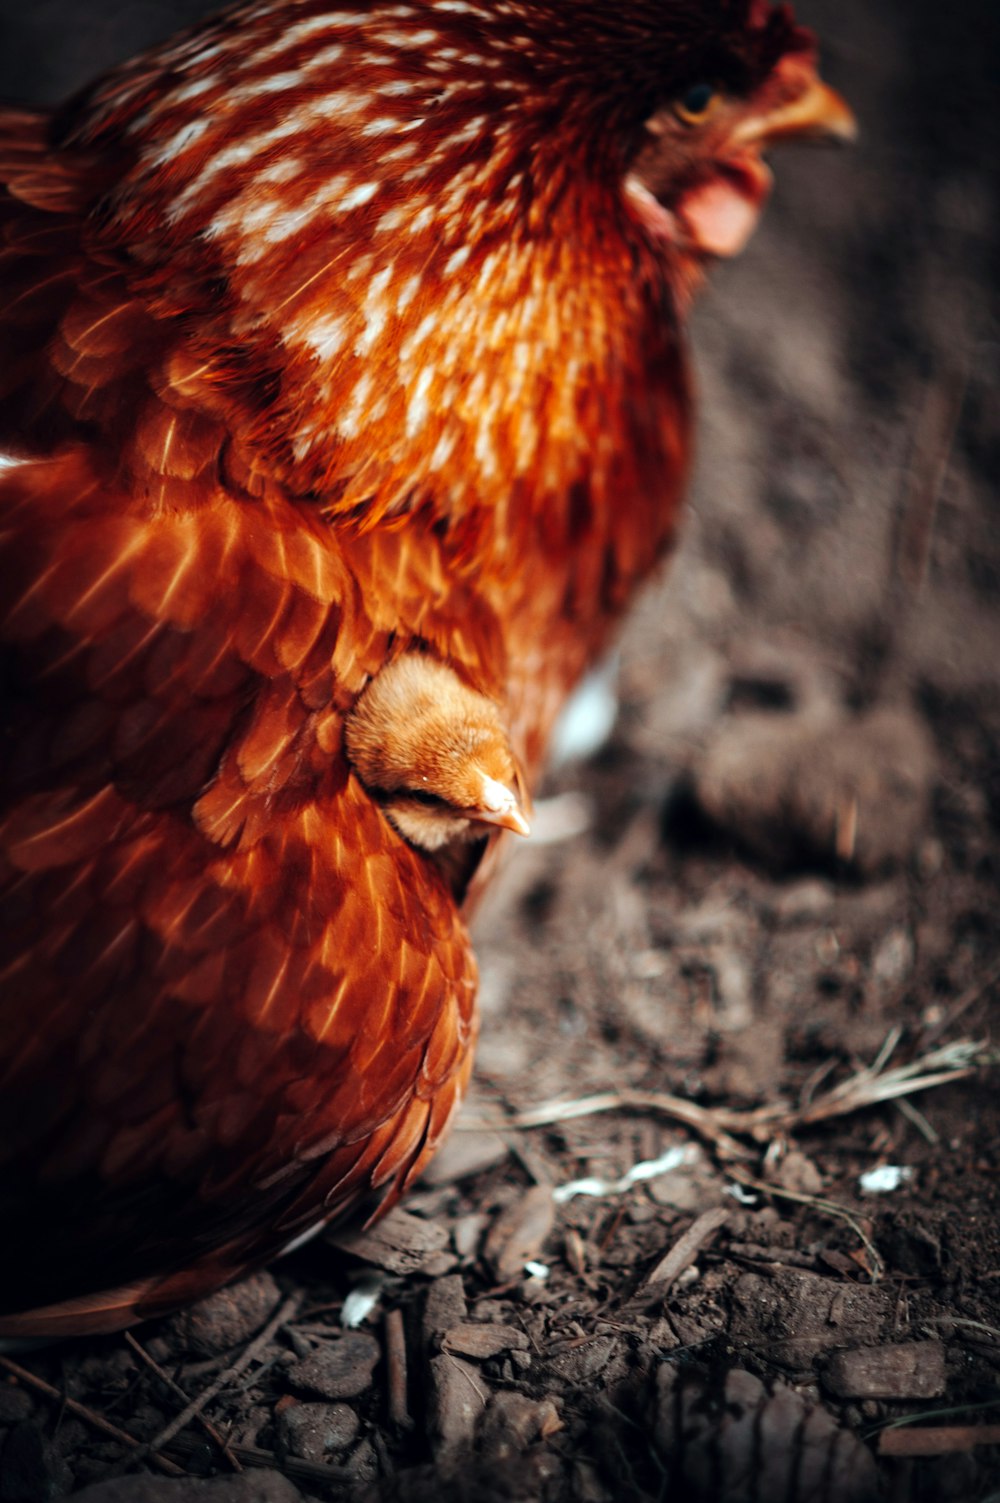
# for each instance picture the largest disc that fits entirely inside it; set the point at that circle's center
(410, 224)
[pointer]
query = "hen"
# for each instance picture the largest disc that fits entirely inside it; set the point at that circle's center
(330, 335)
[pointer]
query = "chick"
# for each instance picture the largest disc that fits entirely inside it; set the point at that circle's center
(435, 754)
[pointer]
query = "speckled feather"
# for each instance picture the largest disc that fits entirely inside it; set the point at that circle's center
(327, 332)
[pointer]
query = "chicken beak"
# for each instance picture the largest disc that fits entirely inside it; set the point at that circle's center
(510, 819)
(500, 806)
(719, 213)
(820, 113)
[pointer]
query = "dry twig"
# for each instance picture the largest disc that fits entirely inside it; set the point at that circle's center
(684, 1251)
(720, 1126)
(395, 1352)
(318, 1473)
(704, 1121)
(968, 999)
(868, 1086)
(178, 1392)
(31, 1380)
(934, 443)
(936, 1440)
(825, 1208)
(283, 1314)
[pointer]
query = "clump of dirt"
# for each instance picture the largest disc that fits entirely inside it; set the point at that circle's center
(740, 1267)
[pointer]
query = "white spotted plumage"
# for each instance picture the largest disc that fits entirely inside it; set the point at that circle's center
(379, 167)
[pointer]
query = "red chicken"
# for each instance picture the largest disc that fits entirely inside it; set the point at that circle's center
(329, 335)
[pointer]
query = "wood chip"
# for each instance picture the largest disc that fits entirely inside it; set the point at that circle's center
(458, 1397)
(444, 1307)
(465, 1154)
(575, 1250)
(936, 1440)
(906, 1370)
(520, 1232)
(399, 1243)
(482, 1341)
(686, 1249)
(467, 1234)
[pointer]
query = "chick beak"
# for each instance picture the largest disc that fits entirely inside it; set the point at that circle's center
(499, 806)
(820, 113)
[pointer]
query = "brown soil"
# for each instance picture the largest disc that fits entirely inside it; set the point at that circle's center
(788, 854)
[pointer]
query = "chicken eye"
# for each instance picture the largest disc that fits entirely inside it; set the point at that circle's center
(696, 103)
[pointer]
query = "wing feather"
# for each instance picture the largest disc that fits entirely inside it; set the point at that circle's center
(236, 1001)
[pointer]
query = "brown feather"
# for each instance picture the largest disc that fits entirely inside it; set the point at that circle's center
(344, 407)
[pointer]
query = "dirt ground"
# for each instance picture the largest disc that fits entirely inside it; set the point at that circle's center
(769, 903)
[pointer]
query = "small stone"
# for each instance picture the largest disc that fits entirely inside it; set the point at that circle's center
(30, 1467)
(893, 960)
(481, 1342)
(317, 1431)
(513, 1422)
(248, 1487)
(363, 1463)
(907, 1370)
(799, 1174)
(230, 1317)
(15, 1405)
(340, 1369)
(583, 1363)
(685, 1192)
(71, 1437)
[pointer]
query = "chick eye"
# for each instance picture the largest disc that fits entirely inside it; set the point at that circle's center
(422, 796)
(696, 103)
